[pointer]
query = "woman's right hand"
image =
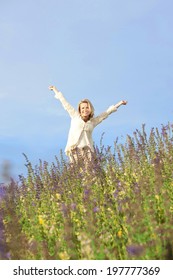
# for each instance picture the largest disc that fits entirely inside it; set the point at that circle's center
(52, 88)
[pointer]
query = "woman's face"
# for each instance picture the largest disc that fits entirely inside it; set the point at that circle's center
(85, 110)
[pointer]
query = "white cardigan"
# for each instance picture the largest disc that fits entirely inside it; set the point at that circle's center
(80, 133)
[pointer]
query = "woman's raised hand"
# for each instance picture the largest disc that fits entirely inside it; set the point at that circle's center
(52, 87)
(124, 102)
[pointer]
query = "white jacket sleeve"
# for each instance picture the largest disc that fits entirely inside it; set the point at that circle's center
(104, 115)
(72, 112)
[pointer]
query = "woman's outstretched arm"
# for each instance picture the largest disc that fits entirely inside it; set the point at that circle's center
(58, 95)
(109, 111)
(122, 102)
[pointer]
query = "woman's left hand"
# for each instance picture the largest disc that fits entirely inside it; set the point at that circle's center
(124, 102)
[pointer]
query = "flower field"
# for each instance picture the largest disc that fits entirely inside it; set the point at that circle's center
(120, 206)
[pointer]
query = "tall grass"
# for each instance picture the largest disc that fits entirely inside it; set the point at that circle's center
(118, 207)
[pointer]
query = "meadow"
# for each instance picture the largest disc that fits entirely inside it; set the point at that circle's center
(119, 207)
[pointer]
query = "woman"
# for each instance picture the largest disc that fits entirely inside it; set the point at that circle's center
(80, 143)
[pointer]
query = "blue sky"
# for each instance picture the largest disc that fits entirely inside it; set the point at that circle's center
(103, 50)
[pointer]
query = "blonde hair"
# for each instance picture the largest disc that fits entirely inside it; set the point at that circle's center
(90, 106)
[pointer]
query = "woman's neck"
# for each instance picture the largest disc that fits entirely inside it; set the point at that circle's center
(85, 119)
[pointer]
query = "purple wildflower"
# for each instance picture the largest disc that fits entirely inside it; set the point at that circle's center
(86, 191)
(96, 209)
(73, 206)
(164, 130)
(135, 250)
(2, 190)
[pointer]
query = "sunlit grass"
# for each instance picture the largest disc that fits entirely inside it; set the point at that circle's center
(119, 207)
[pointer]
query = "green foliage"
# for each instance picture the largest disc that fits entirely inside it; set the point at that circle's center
(120, 206)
